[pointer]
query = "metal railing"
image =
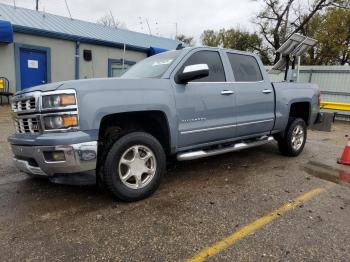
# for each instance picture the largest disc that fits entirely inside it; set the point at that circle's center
(335, 106)
(334, 82)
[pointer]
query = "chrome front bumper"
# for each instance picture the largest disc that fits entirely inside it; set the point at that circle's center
(79, 158)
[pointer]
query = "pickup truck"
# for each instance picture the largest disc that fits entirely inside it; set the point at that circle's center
(189, 103)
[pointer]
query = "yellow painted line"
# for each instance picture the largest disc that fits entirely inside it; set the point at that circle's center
(335, 106)
(248, 229)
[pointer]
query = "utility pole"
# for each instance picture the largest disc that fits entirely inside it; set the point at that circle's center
(37, 5)
(286, 23)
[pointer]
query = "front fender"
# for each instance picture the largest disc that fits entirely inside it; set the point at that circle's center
(101, 97)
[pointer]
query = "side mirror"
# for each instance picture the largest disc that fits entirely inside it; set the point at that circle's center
(192, 72)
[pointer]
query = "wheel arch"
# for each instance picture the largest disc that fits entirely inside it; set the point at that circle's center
(301, 109)
(154, 122)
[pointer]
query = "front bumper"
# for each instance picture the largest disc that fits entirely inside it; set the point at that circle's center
(79, 158)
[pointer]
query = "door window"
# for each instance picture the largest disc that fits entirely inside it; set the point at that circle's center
(213, 60)
(245, 68)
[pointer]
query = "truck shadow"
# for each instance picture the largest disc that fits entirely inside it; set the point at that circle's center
(45, 200)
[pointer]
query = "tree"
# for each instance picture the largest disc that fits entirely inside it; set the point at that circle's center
(332, 31)
(185, 39)
(110, 21)
(281, 18)
(236, 39)
(210, 38)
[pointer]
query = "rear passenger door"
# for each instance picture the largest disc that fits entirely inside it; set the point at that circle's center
(254, 96)
(205, 107)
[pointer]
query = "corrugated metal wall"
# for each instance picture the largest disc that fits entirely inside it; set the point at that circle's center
(334, 81)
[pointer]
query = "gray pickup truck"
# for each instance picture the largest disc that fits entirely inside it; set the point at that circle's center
(189, 103)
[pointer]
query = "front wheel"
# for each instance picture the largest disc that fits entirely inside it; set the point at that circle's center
(134, 166)
(293, 141)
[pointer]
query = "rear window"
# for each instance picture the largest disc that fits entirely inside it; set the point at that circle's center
(245, 68)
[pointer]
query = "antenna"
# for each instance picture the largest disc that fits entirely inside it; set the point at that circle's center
(70, 15)
(149, 28)
(113, 20)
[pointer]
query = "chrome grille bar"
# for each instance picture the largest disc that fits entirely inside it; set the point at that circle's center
(28, 124)
(29, 114)
(25, 103)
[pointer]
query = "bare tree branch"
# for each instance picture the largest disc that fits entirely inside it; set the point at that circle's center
(273, 19)
(264, 33)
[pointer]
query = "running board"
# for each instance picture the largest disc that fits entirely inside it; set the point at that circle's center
(236, 147)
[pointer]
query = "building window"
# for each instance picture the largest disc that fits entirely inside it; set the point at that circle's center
(116, 68)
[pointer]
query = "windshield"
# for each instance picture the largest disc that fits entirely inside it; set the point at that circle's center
(152, 67)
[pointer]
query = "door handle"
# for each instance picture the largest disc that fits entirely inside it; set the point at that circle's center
(267, 91)
(227, 92)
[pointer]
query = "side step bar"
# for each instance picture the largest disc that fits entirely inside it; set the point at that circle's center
(236, 147)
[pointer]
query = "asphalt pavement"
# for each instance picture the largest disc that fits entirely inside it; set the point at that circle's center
(254, 205)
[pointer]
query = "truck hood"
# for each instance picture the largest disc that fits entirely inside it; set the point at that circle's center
(43, 88)
(95, 83)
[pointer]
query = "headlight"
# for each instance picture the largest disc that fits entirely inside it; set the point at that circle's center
(56, 101)
(60, 121)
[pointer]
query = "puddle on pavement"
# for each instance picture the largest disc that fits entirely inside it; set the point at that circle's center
(328, 173)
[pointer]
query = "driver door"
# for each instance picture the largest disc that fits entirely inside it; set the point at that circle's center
(205, 107)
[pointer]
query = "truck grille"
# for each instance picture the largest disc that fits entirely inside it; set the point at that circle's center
(22, 105)
(27, 125)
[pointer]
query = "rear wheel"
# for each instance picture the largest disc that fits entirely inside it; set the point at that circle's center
(134, 166)
(293, 141)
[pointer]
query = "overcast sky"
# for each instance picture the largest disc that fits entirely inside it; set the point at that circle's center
(191, 16)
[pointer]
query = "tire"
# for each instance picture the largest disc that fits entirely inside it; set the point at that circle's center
(293, 141)
(134, 166)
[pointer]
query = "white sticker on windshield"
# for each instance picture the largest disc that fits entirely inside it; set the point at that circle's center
(165, 62)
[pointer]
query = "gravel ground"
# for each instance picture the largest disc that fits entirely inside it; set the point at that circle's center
(199, 203)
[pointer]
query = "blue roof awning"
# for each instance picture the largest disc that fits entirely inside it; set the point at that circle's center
(156, 50)
(6, 32)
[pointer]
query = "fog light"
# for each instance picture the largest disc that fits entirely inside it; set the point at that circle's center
(54, 156)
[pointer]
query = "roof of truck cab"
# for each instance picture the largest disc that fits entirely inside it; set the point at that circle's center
(221, 49)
